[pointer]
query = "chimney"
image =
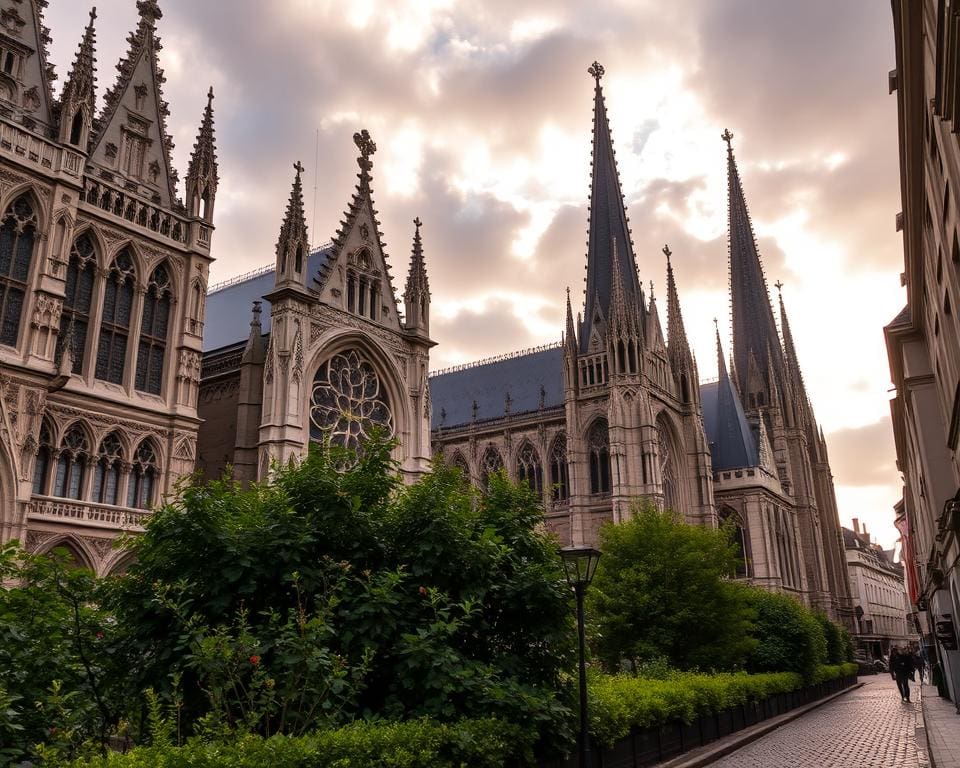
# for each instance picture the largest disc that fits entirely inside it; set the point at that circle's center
(856, 526)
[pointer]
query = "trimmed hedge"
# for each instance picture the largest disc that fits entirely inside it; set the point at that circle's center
(619, 703)
(411, 744)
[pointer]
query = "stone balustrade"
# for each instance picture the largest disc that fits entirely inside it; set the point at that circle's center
(87, 513)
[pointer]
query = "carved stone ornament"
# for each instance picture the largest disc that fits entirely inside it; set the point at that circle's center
(111, 150)
(11, 21)
(36, 539)
(348, 401)
(46, 311)
(101, 546)
(31, 99)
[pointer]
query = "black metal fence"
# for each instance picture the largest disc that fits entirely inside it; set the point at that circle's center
(649, 746)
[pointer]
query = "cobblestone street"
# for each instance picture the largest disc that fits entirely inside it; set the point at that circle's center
(868, 728)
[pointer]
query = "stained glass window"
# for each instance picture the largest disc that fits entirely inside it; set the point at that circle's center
(75, 318)
(489, 464)
(559, 478)
(529, 468)
(45, 453)
(115, 321)
(17, 237)
(153, 332)
(106, 476)
(348, 402)
(598, 445)
(143, 477)
(71, 464)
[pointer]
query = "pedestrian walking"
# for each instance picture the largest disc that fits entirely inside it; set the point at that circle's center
(902, 668)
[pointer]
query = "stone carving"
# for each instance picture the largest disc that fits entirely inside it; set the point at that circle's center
(101, 546)
(46, 311)
(297, 356)
(189, 365)
(31, 99)
(348, 401)
(36, 539)
(111, 150)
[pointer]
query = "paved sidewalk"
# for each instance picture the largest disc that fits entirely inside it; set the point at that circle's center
(867, 728)
(942, 724)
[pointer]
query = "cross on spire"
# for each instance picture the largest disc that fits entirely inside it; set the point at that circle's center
(727, 137)
(298, 167)
(596, 69)
(667, 252)
(779, 286)
(367, 147)
(417, 223)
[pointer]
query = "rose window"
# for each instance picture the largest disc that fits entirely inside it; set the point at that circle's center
(348, 402)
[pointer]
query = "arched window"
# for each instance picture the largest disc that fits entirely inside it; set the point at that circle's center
(18, 233)
(598, 447)
(529, 468)
(459, 462)
(45, 453)
(668, 471)
(72, 461)
(559, 477)
(490, 464)
(349, 401)
(730, 517)
(153, 332)
(106, 474)
(76, 129)
(75, 318)
(143, 477)
(115, 321)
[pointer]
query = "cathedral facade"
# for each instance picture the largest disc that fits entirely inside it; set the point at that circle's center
(120, 372)
(103, 278)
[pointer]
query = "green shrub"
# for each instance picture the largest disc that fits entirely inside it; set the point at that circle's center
(412, 744)
(839, 645)
(789, 637)
(619, 703)
(662, 591)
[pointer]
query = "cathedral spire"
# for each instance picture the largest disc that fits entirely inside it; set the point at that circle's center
(77, 99)
(753, 322)
(790, 351)
(416, 295)
(571, 332)
(293, 244)
(202, 173)
(133, 141)
(608, 222)
(735, 445)
(677, 344)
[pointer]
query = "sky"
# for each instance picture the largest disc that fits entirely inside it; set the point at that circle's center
(482, 113)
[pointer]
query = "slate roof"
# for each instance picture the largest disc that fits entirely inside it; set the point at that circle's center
(488, 384)
(227, 316)
(732, 442)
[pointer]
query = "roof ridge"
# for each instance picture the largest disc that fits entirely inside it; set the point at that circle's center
(496, 359)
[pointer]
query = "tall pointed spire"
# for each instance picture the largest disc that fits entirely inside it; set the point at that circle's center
(202, 173)
(416, 295)
(734, 445)
(790, 351)
(293, 244)
(677, 344)
(754, 328)
(76, 107)
(571, 330)
(140, 129)
(608, 221)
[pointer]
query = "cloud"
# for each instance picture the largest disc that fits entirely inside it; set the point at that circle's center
(863, 455)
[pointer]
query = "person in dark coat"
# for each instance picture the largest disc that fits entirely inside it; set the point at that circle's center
(901, 667)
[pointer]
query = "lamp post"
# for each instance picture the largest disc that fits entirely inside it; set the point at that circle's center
(579, 565)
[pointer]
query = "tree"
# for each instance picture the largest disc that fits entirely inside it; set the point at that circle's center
(789, 637)
(661, 591)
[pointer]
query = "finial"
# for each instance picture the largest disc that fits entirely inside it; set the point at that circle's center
(727, 137)
(651, 290)
(93, 14)
(417, 223)
(667, 252)
(596, 69)
(367, 147)
(149, 10)
(256, 308)
(210, 96)
(779, 286)
(298, 167)
(716, 325)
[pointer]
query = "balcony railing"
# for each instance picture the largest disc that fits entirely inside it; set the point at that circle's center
(87, 514)
(135, 211)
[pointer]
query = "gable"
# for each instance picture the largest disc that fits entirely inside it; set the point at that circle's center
(24, 74)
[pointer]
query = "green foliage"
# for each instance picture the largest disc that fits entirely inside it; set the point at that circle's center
(413, 744)
(789, 635)
(334, 593)
(839, 644)
(619, 703)
(661, 590)
(55, 646)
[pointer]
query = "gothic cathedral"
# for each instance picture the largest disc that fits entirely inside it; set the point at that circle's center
(120, 372)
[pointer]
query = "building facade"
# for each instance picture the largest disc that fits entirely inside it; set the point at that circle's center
(103, 278)
(923, 340)
(879, 592)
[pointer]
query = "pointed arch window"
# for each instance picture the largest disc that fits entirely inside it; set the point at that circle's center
(45, 454)
(598, 448)
(115, 321)
(730, 517)
(458, 461)
(141, 486)
(153, 332)
(529, 468)
(72, 461)
(76, 129)
(559, 474)
(18, 234)
(75, 318)
(668, 469)
(106, 473)
(490, 464)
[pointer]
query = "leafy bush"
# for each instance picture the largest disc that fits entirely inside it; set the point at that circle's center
(662, 590)
(413, 744)
(839, 644)
(619, 703)
(334, 593)
(789, 637)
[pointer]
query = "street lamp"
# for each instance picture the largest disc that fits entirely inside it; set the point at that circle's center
(579, 565)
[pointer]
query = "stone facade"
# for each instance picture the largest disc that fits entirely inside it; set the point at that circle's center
(879, 594)
(103, 277)
(923, 340)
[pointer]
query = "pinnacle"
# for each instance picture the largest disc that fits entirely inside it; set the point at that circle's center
(203, 161)
(417, 282)
(80, 82)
